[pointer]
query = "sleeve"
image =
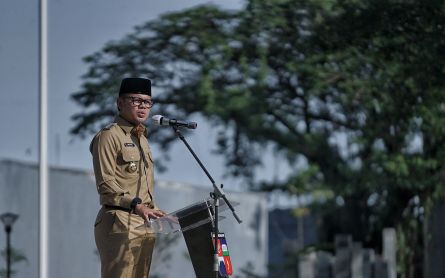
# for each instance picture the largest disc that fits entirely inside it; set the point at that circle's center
(155, 206)
(149, 159)
(105, 151)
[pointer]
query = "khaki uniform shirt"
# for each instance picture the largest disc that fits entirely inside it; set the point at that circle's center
(123, 165)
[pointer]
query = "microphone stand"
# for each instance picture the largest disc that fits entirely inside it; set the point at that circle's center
(216, 195)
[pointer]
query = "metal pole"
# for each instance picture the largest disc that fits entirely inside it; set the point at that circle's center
(43, 148)
(8, 252)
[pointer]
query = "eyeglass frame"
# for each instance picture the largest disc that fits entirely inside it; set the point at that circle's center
(147, 102)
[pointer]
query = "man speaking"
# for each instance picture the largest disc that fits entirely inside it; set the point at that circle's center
(123, 167)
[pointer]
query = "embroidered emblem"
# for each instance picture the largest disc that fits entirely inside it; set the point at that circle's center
(132, 167)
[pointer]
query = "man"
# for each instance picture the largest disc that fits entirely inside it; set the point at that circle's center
(123, 167)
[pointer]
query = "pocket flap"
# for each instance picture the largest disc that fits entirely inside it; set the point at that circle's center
(131, 154)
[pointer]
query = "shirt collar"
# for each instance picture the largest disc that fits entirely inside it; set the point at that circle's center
(124, 124)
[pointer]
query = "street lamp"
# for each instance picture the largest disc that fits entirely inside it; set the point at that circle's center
(8, 220)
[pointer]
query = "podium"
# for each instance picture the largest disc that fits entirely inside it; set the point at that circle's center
(196, 224)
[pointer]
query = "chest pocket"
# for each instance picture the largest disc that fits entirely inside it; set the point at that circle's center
(131, 157)
(130, 154)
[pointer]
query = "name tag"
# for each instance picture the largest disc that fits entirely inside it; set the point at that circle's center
(129, 145)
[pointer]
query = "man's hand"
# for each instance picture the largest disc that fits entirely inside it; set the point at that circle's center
(148, 213)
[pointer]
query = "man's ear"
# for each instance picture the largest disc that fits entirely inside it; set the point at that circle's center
(119, 103)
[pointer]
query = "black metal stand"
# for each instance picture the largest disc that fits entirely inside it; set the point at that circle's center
(8, 251)
(216, 195)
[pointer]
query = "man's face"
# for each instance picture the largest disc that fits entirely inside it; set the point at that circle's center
(134, 108)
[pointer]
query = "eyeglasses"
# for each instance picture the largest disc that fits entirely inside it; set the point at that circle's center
(135, 101)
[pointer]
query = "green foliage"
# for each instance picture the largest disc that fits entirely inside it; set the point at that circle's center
(17, 256)
(410, 244)
(350, 92)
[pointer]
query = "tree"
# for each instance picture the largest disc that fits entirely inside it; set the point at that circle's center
(349, 92)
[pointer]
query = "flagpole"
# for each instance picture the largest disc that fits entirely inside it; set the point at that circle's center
(43, 142)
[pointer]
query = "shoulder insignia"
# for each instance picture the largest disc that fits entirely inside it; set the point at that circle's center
(108, 127)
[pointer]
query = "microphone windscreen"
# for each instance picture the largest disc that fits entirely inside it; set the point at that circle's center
(157, 119)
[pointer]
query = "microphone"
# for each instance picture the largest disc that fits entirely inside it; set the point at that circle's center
(161, 120)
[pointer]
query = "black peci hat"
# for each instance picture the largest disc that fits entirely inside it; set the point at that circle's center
(135, 86)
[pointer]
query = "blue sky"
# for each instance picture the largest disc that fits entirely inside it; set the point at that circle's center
(76, 29)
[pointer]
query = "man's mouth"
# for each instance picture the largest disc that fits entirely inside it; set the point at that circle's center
(141, 114)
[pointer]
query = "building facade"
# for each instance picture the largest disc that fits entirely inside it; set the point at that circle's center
(73, 207)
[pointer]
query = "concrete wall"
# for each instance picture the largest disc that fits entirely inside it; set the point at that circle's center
(73, 208)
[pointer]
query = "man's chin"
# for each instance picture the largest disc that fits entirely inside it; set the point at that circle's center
(141, 120)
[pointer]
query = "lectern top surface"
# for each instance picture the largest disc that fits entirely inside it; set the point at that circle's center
(171, 222)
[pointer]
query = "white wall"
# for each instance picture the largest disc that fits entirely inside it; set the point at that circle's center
(73, 208)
